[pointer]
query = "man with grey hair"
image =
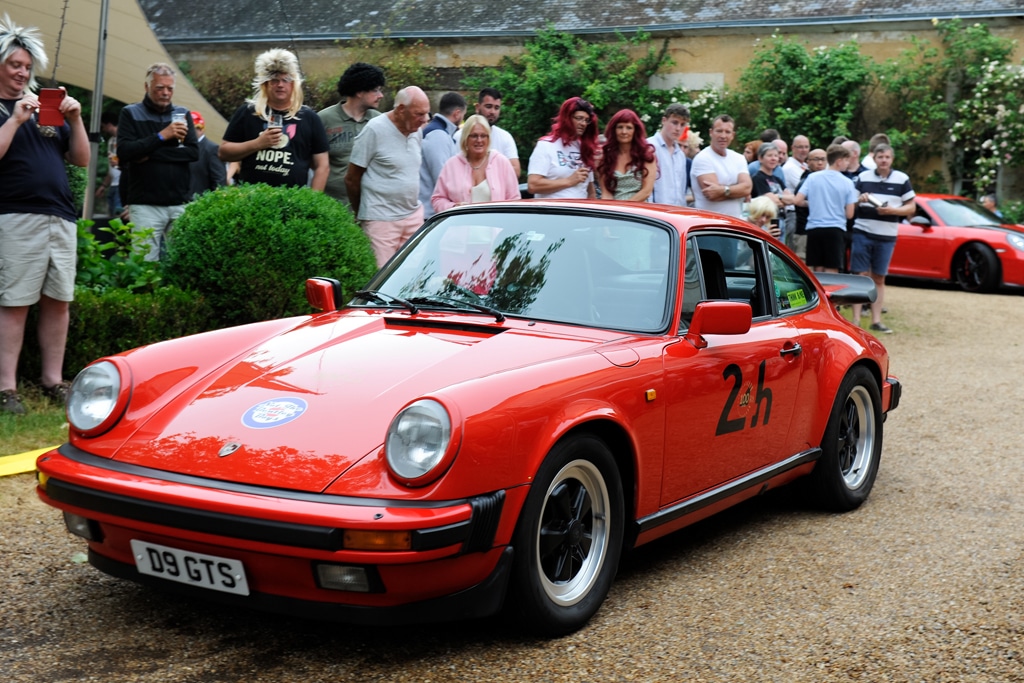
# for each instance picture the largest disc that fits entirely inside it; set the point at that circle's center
(383, 178)
(156, 143)
(278, 140)
(439, 145)
(38, 236)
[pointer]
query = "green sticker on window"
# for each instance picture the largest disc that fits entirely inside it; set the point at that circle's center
(796, 298)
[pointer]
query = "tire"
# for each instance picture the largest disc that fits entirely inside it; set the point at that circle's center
(569, 538)
(852, 446)
(976, 268)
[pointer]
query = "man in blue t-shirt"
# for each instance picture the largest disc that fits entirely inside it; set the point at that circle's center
(38, 236)
(830, 198)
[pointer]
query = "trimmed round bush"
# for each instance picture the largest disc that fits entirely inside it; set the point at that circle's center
(249, 249)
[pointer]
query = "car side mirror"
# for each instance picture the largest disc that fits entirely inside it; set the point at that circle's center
(323, 293)
(921, 222)
(718, 317)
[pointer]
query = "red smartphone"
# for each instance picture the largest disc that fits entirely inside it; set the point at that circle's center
(49, 107)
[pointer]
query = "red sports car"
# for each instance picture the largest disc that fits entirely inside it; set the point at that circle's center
(524, 392)
(955, 238)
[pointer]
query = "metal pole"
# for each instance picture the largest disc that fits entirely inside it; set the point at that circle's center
(97, 112)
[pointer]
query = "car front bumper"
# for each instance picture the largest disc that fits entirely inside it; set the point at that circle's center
(456, 567)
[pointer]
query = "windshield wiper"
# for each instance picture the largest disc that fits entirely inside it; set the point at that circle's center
(456, 304)
(386, 299)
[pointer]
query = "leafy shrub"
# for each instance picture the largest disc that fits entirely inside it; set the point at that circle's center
(1013, 211)
(107, 322)
(556, 66)
(250, 248)
(124, 267)
(225, 88)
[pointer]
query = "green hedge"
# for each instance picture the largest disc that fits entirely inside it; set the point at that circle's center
(104, 323)
(250, 248)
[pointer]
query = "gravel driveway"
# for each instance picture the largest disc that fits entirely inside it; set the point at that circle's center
(924, 583)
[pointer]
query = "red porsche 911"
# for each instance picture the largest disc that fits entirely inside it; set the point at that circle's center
(956, 239)
(522, 394)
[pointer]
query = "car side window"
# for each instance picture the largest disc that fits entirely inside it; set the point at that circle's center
(724, 268)
(793, 291)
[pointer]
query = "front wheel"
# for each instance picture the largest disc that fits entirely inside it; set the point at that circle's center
(569, 538)
(852, 446)
(976, 268)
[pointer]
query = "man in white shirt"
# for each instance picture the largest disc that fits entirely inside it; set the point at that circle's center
(673, 165)
(489, 106)
(796, 164)
(719, 175)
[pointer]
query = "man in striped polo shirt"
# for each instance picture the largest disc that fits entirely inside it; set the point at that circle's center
(886, 197)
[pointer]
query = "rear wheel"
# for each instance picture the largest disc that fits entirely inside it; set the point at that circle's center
(569, 538)
(976, 268)
(852, 446)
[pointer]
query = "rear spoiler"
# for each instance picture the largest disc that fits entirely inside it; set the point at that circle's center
(845, 289)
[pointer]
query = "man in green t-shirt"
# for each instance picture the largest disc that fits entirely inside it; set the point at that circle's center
(361, 88)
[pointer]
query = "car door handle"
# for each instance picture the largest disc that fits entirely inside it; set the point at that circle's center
(791, 350)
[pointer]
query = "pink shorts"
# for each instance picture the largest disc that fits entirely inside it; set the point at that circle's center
(386, 237)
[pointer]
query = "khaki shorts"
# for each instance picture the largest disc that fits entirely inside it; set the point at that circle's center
(37, 256)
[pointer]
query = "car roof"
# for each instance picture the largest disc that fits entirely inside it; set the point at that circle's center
(682, 218)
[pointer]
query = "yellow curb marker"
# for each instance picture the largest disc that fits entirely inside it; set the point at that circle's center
(22, 462)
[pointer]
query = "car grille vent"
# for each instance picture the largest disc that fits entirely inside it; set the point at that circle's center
(483, 330)
(486, 515)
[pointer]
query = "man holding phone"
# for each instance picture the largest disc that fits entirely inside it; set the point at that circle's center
(156, 143)
(38, 237)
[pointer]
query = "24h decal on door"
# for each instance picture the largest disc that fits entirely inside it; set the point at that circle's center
(763, 395)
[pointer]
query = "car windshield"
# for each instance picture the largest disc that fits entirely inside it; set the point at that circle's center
(963, 212)
(578, 268)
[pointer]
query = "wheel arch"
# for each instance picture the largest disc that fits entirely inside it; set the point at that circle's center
(617, 438)
(964, 246)
(835, 385)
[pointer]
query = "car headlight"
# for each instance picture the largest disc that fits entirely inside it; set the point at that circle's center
(1016, 241)
(419, 443)
(97, 397)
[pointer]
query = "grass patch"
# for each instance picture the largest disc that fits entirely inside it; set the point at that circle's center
(43, 425)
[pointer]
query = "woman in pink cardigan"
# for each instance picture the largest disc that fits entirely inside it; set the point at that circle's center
(478, 174)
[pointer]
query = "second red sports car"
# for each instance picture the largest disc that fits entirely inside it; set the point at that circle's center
(956, 239)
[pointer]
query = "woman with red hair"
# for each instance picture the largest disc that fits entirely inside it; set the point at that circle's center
(562, 163)
(628, 170)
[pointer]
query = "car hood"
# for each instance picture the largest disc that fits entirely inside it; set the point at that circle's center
(300, 409)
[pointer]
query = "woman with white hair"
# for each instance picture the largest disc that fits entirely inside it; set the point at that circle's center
(277, 139)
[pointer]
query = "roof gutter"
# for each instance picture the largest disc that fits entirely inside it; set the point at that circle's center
(836, 24)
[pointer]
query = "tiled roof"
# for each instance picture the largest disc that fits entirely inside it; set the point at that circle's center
(178, 21)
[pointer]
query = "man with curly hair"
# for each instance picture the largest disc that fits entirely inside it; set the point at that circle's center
(38, 237)
(361, 88)
(278, 140)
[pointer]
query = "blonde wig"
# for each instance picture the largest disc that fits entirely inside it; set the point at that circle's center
(276, 63)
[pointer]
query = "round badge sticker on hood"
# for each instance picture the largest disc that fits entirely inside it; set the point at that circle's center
(274, 412)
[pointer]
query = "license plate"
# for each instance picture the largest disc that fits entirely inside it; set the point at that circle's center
(193, 569)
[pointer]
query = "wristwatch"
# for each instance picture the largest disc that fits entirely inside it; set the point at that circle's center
(728, 190)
